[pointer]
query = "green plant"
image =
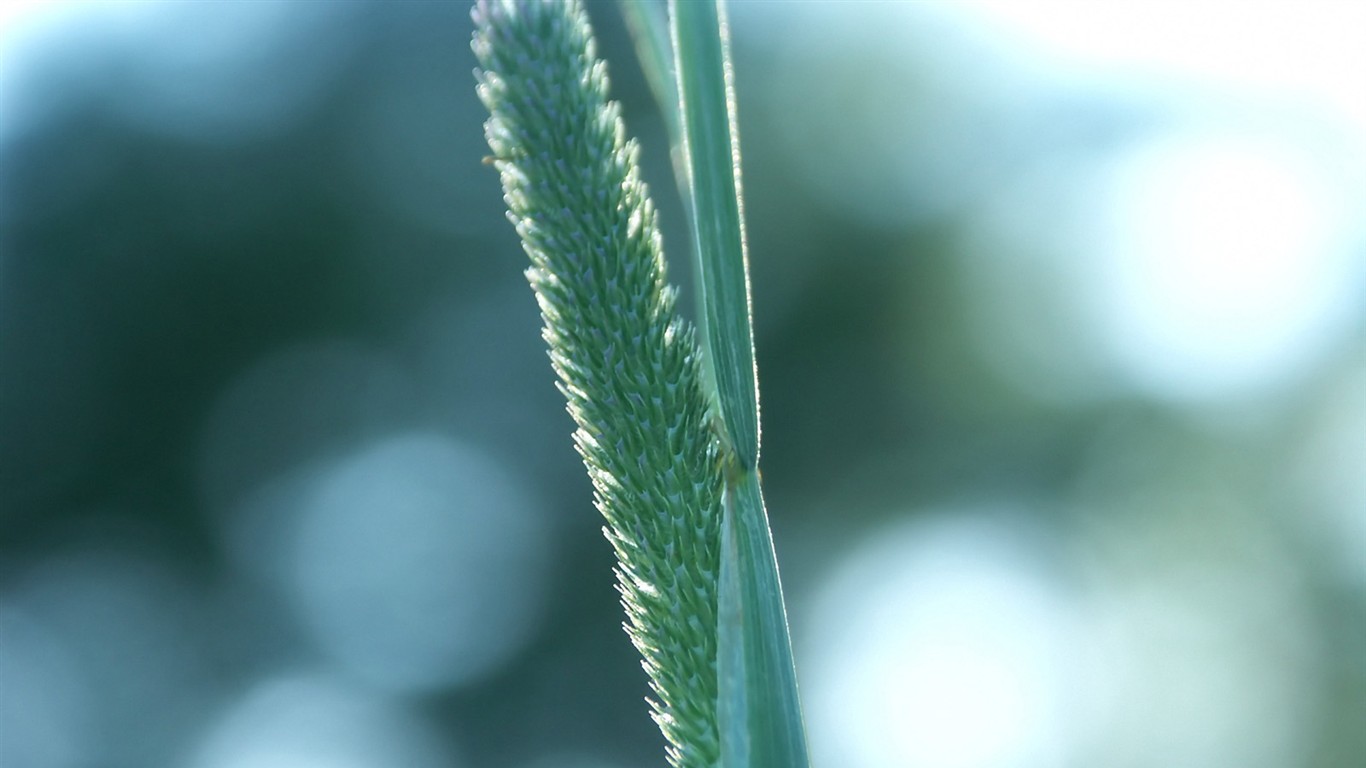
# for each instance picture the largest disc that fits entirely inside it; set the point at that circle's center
(669, 435)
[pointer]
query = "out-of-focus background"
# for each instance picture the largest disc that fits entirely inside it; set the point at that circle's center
(1061, 325)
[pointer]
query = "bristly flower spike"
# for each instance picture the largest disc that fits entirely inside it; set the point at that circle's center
(627, 364)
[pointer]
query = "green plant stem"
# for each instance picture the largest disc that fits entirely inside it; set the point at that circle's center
(759, 709)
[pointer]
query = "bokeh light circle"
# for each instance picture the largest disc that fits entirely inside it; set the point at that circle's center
(418, 562)
(941, 644)
(311, 721)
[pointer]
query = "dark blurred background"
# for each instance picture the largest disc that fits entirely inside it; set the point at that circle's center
(1061, 325)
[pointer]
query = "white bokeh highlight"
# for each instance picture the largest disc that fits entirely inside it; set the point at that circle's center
(941, 644)
(1306, 54)
(45, 700)
(239, 74)
(1329, 477)
(1224, 265)
(104, 655)
(418, 563)
(1208, 648)
(312, 721)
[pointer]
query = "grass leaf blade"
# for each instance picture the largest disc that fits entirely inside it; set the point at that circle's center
(753, 646)
(706, 104)
(649, 27)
